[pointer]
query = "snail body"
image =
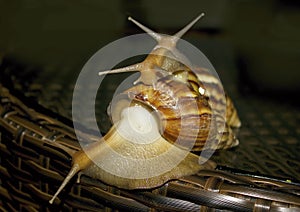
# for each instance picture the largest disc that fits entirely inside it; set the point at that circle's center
(166, 113)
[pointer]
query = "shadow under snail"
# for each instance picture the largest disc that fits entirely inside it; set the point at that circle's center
(171, 108)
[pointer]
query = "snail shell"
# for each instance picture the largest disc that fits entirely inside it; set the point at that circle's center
(169, 109)
(185, 115)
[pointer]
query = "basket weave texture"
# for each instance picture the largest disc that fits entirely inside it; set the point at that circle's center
(32, 166)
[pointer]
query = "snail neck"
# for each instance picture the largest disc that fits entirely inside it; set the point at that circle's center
(151, 69)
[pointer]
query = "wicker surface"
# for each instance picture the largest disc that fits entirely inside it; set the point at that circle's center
(32, 166)
(269, 137)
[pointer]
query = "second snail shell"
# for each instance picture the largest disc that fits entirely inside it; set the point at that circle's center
(170, 108)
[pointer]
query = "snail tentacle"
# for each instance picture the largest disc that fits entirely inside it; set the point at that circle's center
(148, 66)
(153, 34)
(74, 169)
(186, 28)
(131, 68)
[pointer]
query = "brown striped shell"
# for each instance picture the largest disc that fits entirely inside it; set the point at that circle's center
(185, 115)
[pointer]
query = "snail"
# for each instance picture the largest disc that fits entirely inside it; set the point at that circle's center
(168, 111)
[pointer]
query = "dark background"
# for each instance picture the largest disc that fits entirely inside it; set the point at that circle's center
(255, 43)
